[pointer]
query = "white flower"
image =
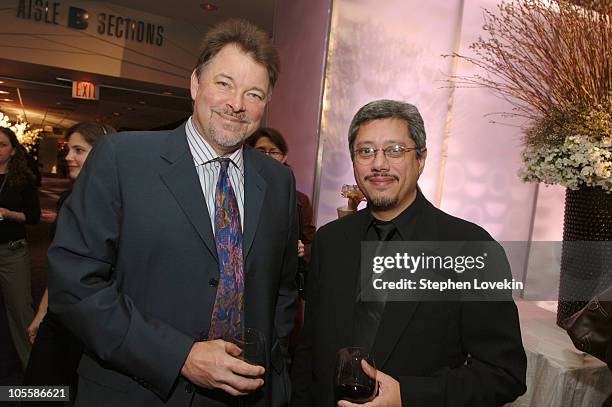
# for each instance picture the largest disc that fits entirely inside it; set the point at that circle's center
(579, 161)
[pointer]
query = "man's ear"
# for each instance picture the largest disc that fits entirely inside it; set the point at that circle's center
(194, 84)
(421, 161)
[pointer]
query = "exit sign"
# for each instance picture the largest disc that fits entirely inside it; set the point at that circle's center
(85, 90)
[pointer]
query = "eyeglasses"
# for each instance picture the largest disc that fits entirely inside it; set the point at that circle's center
(273, 153)
(394, 153)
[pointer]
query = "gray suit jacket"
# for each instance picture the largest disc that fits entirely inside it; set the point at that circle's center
(134, 272)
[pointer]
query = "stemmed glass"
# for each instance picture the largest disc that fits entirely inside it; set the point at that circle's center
(350, 381)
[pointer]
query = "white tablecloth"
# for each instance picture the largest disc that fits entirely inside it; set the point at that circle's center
(558, 375)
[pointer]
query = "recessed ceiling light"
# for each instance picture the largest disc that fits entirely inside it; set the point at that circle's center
(1, 81)
(3, 92)
(208, 7)
(7, 100)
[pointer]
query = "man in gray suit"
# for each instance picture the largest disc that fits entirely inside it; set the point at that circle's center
(140, 266)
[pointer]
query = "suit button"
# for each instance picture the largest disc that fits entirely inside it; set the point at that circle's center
(189, 388)
(213, 282)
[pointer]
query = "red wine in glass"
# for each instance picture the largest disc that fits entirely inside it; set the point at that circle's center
(351, 381)
(253, 345)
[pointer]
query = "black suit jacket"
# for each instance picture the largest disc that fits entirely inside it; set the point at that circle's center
(442, 353)
(133, 269)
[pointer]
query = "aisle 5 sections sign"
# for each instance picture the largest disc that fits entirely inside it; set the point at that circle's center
(105, 24)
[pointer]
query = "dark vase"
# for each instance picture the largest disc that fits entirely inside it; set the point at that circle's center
(586, 259)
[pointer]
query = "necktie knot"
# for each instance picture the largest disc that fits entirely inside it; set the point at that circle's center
(384, 230)
(224, 164)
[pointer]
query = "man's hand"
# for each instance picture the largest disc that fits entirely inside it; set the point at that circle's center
(213, 365)
(388, 390)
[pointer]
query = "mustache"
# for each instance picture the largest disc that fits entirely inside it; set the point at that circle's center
(371, 176)
(241, 116)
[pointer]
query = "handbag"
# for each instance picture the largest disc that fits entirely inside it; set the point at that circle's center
(591, 328)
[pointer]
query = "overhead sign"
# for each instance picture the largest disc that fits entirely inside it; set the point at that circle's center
(85, 90)
(110, 25)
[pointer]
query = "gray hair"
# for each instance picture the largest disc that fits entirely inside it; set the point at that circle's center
(386, 109)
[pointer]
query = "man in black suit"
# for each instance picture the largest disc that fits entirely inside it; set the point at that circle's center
(429, 353)
(135, 267)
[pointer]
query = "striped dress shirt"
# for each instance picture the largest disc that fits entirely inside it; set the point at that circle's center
(208, 171)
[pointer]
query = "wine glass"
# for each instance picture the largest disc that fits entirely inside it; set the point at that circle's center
(351, 382)
(253, 345)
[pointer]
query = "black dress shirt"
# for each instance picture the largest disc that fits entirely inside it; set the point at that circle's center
(368, 314)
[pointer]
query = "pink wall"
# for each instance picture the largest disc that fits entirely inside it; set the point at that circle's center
(300, 32)
(394, 51)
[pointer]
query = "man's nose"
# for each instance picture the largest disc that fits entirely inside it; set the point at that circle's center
(380, 162)
(236, 102)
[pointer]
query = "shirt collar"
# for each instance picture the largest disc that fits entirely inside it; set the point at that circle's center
(203, 153)
(405, 222)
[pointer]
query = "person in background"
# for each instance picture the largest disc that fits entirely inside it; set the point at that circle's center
(19, 206)
(32, 165)
(56, 352)
(272, 143)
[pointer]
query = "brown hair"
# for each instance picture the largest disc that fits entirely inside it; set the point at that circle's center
(90, 131)
(249, 38)
(274, 135)
(18, 172)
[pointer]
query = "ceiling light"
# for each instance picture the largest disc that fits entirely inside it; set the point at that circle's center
(208, 7)
(3, 92)
(142, 102)
(1, 81)
(7, 100)
(116, 114)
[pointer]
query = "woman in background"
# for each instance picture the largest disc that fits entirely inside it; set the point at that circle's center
(270, 142)
(19, 206)
(56, 352)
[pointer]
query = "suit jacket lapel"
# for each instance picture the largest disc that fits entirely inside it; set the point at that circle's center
(254, 193)
(181, 178)
(397, 315)
(346, 276)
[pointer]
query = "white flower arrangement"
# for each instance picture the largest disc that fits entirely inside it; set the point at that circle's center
(579, 161)
(26, 136)
(551, 60)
